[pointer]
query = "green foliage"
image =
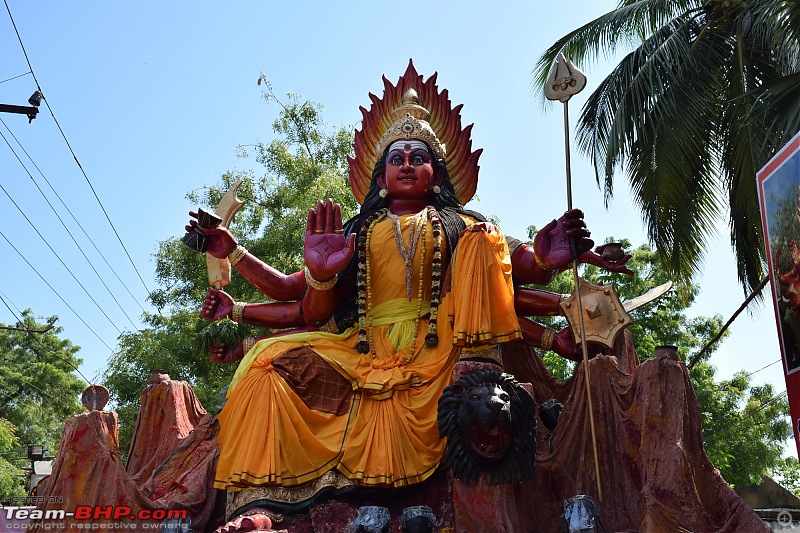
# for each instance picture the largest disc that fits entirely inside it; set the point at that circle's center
(306, 162)
(38, 392)
(12, 477)
(707, 94)
(787, 473)
(744, 426)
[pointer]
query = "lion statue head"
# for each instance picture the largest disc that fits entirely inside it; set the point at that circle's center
(489, 420)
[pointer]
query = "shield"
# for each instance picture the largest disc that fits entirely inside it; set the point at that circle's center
(603, 313)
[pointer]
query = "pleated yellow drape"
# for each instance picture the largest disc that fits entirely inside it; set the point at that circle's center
(389, 435)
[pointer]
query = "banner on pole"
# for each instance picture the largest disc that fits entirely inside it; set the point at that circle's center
(779, 197)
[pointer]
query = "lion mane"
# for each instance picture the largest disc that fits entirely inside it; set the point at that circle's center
(482, 439)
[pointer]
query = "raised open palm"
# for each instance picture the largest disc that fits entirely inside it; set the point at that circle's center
(327, 252)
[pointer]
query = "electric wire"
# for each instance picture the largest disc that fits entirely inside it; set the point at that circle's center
(57, 256)
(763, 367)
(74, 218)
(74, 156)
(55, 291)
(15, 77)
(45, 394)
(88, 261)
(6, 301)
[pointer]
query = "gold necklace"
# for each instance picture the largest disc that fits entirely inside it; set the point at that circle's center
(407, 253)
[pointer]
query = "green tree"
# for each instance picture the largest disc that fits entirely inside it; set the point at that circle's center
(788, 474)
(306, 162)
(744, 426)
(38, 391)
(708, 94)
(11, 475)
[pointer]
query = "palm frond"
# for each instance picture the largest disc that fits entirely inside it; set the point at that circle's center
(628, 24)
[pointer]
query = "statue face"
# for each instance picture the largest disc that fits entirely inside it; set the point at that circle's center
(409, 171)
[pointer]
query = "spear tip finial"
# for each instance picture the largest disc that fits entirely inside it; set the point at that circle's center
(565, 80)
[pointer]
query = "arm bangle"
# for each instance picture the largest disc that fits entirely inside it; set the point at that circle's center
(237, 314)
(320, 285)
(540, 264)
(237, 254)
(247, 344)
(547, 338)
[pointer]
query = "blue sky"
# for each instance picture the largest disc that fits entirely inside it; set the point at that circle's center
(154, 97)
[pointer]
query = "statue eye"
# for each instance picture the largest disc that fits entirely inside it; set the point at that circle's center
(418, 160)
(396, 160)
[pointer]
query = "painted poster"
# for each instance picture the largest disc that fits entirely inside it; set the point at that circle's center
(779, 196)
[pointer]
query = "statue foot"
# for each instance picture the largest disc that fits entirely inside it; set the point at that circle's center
(256, 521)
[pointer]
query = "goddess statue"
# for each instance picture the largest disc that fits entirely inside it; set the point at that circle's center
(389, 301)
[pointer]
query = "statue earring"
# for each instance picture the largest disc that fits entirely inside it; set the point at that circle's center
(383, 193)
(436, 189)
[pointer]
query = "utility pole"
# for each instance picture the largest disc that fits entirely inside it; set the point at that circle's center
(31, 111)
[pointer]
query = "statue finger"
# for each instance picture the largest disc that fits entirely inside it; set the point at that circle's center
(310, 221)
(319, 221)
(329, 216)
(573, 213)
(337, 219)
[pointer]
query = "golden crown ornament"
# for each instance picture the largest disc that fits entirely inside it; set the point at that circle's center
(411, 122)
(414, 108)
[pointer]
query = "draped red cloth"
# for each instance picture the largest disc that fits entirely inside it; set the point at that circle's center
(654, 471)
(173, 456)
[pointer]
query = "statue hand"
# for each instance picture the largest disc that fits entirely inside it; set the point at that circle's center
(220, 241)
(326, 250)
(551, 244)
(564, 345)
(598, 258)
(216, 305)
(224, 353)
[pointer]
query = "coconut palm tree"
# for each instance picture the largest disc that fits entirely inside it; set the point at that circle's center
(709, 92)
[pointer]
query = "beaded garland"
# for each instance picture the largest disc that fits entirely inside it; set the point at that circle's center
(363, 276)
(364, 281)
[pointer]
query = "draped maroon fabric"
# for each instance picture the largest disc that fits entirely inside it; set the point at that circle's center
(654, 471)
(173, 456)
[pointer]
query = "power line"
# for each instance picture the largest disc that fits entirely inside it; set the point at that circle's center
(45, 394)
(15, 77)
(3, 297)
(74, 218)
(47, 104)
(28, 220)
(88, 261)
(57, 256)
(55, 291)
(763, 367)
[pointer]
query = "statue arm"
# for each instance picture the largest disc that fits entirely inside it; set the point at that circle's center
(327, 252)
(218, 304)
(274, 283)
(271, 282)
(527, 269)
(533, 302)
(545, 338)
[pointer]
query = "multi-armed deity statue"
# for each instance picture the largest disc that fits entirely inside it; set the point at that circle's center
(387, 305)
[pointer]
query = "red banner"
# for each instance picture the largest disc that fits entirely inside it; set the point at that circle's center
(779, 197)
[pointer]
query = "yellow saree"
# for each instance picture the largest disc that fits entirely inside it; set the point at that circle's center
(303, 404)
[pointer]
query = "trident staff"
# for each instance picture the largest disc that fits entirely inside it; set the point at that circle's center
(565, 81)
